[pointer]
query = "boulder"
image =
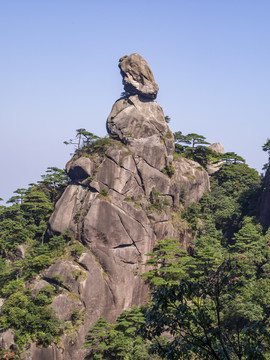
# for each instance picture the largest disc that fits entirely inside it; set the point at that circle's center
(217, 147)
(137, 76)
(79, 168)
(20, 252)
(6, 339)
(190, 181)
(213, 167)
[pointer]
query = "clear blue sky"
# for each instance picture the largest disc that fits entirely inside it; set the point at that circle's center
(59, 72)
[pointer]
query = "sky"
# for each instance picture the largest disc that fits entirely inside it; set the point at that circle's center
(59, 72)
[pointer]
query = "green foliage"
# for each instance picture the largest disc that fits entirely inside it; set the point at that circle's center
(189, 139)
(77, 251)
(120, 340)
(128, 134)
(77, 317)
(30, 317)
(77, 216)
(192, 146)
(135, 201)
(104, 192)
(36, 205)
(82, 139)
(212, 318)
(98, 146)
(203, 155)
(231, 158)
(24, 224)
(17, 199)
(157, 201)
(247, 239)
(214, 299)
(12, 234)
(168, 170)
(234, 194)
(169, 263)
(167, 119)
(238, 177)
(53, 183)
(191, 214)
(266, 148)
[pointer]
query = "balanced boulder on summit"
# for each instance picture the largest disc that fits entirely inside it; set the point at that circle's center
(137, 76)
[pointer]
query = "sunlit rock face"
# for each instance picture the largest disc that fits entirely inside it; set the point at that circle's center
(121, 201)
(213, 167)
(137, 76)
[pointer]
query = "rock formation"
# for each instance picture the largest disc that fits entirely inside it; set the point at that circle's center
(265, 203)
(137, 76)
(124, 197)
(213, 167)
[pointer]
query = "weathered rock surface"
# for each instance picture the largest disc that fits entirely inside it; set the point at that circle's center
(6, 339)
(2, 300)
(43, 353)
(120, 202)
(20, 252)
(217, 147)
(265, 204)
(215, 166)
(140, 125)
(137, 76)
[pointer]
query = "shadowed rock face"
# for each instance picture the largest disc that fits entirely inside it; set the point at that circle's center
(137, 76)
(129, 204)
(265, 204)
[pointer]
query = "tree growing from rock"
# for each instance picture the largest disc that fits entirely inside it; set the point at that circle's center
(118, 341)
(266, 147)
(82, 138)
(232, 158)
(190, 139)
(192, 146)
(54, 182)
(18, 199)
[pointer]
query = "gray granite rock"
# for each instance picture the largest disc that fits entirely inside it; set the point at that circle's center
(141, 126)
(217, 147)
(213, 167)
(6, 339)
(137, 76)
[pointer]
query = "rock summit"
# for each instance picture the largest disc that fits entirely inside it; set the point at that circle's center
(137, 76)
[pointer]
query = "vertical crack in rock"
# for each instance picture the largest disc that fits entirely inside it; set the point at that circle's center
(133, 242)
(140, 176)
(140, 223)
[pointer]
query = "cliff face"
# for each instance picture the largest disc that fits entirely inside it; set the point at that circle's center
(123, 198)
(265, 204)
